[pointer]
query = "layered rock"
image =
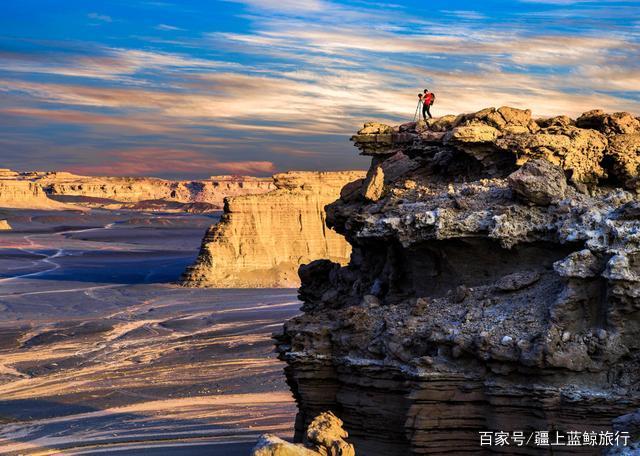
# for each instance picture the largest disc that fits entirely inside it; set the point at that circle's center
(494, 285)
(144, 193)
(261, 240)
(137, 189)
(21, 194)
(324, 437)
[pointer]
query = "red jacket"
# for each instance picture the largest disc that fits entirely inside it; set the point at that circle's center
(428, 98)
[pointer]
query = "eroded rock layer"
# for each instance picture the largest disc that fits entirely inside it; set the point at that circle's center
(137, 189)
(494, 285)
(25, 195)
(261, 240)
(31, 189)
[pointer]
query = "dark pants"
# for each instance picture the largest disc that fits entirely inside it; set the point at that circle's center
(425, 111)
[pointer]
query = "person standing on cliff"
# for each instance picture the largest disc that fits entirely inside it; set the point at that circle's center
(427, 100)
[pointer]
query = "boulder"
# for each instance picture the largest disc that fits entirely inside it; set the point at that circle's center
(539, 181)
(375, 128)
(609, 124)
(374, 184)
(475, 133)
(324, 437)
(624, 161)
(578, 151)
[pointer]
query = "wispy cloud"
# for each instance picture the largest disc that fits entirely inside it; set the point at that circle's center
(294, 6)
(284, 82)
(100, 17)
(153, 161)
(167, 28)
(465, 14)
(574, 2)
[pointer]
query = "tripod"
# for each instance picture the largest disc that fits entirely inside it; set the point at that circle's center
(416, 116)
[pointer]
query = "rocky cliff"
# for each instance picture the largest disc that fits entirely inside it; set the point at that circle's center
(146, 193)
(261, 240)
(494, 285)
(21, 194)
(137, 189)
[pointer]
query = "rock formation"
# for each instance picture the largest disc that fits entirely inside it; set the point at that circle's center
(21, 194)
(144, 193)
(494, 285)
(630, 424)
(324, 437)
(261, 240)
(4, 225)
(138, 189)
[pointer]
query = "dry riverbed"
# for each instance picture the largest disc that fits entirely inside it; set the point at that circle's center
(100, 353)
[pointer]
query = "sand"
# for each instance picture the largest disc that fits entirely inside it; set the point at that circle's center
(99, 352)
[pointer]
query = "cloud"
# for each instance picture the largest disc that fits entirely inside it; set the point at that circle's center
(100, 17)
(294, 6)
(118, 122)
(574, 2)
(154, 161)
(465, 14)
(287, 77)
(113, 64)
(167, 28)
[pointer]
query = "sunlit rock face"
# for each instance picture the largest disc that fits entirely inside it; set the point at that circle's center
(22, 194)
(324, 437)
(47, 190)
(494, 284)
(136, 189)
(261, 240)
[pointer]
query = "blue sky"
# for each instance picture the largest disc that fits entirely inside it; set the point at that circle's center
(194, 88)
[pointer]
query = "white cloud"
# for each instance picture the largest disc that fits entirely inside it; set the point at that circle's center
(100, 17)
(305, 6)
(167, 28)
(464, 14)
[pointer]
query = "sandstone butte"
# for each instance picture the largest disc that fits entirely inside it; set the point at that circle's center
(261, 240)
(494, 285)
(18, 193)
(32, 190)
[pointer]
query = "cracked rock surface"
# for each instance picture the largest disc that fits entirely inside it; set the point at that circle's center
(494, 284)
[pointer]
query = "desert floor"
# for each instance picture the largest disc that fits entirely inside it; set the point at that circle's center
(101, 354)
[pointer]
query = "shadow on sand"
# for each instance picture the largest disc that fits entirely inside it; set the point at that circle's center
(32, 426)
(126, 268)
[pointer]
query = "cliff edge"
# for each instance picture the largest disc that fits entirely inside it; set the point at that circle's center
(261, 240)
(21, 194)
(494, 285)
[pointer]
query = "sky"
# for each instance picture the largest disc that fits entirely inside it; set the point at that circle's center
(194, 88)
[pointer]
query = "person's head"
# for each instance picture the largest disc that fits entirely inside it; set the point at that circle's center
(426, 90)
